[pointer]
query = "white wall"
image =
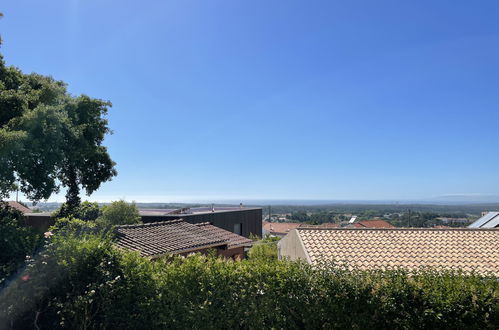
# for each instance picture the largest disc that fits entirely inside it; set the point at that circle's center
(290, 247)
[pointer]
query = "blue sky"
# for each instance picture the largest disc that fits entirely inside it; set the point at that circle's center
(241, 100)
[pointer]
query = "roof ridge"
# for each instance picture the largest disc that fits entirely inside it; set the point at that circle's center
(150, 224)
(397, 229)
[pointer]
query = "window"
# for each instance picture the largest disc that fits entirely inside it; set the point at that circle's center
(238, 228)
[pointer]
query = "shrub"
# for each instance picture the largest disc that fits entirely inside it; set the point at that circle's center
(17, 240)
(77, 227)
(85, 282)
(264, 251)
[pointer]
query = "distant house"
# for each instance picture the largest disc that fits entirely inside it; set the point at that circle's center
(456, 221)
(328, 225)
(372, 224)
(279, 229)
(157, 239)
(409, 248)
(488, 220)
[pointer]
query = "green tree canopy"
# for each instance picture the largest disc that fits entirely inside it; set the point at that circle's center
(86, 211)
(119, 213)
(50, 139)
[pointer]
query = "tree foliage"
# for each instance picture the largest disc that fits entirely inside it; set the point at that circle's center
(119, 213)
(86, 211)
(50, 139)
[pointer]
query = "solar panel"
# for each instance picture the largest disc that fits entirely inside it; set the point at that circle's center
(483, 220)
(492, 223)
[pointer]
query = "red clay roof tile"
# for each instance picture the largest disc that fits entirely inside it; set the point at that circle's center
(412, 248)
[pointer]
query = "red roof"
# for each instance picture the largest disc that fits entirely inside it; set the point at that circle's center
(280, 227)
(373, 224)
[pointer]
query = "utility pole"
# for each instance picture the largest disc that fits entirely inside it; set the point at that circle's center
(17, 183)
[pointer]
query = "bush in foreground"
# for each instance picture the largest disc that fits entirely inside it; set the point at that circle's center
(84, 282)
(17, 241)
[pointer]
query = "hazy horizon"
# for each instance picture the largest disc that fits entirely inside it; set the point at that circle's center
(442, 200)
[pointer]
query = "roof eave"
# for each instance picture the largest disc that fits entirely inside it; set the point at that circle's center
(303, 246)
(156, 256)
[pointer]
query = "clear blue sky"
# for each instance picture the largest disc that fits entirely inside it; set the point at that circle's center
(279, 99)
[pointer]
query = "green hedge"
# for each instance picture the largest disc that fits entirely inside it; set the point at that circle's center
(87, 283)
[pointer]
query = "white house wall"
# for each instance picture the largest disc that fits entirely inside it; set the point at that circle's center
(290, 247)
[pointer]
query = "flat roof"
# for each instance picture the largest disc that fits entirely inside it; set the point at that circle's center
(38, 214)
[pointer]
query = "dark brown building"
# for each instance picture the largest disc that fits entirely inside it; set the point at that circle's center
(40, 221)
(241, 221)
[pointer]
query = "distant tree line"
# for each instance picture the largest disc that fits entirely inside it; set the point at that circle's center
(407, 218)
(382, 209)
(315, 218)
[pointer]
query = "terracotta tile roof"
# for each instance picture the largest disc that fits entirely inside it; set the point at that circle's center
(158, 238)
(234, 240)
(280, 227)
(465, 249)
(373, 224)
(19, 207)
